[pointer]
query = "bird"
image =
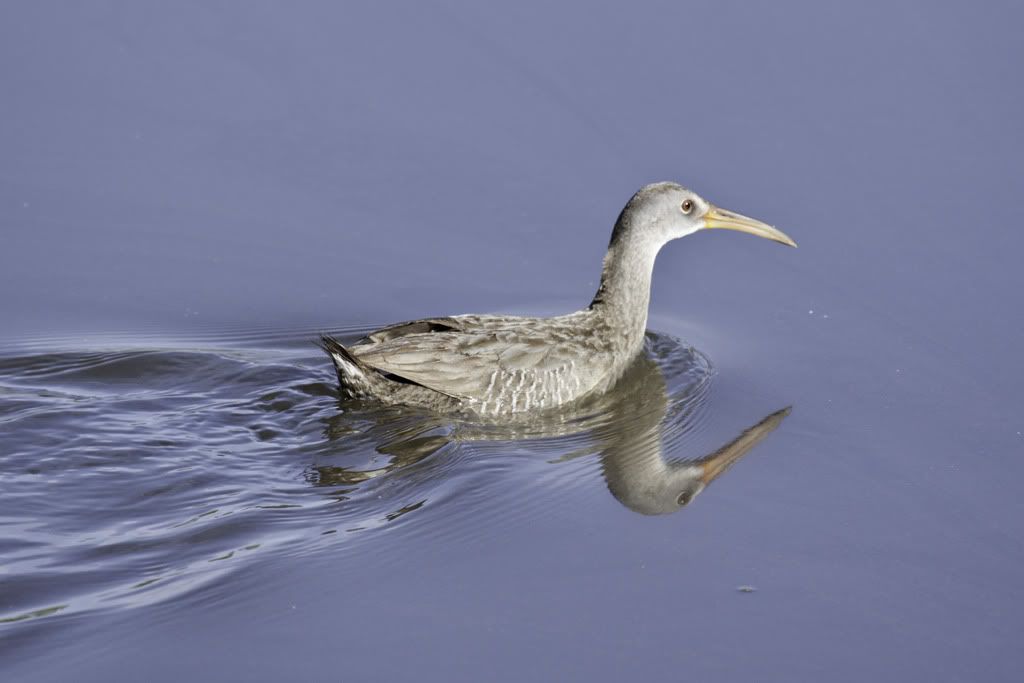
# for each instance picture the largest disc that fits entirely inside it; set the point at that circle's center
(501, 366)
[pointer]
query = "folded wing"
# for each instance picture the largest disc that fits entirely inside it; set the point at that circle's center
(485, 362)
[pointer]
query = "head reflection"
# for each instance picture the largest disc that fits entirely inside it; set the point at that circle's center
(631, 429)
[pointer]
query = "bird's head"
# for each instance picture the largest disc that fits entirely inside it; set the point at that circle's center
(661, 212)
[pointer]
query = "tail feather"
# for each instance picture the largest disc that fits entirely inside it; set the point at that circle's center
(354, 376)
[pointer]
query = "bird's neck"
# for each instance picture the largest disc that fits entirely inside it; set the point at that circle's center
(625, 291)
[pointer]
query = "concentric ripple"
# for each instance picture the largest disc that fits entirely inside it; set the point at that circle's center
(135, 470)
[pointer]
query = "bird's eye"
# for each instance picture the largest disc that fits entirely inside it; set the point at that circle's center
(685, 496)
(687, 205)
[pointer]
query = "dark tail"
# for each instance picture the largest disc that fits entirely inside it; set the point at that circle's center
(353, 376)
(332, 346)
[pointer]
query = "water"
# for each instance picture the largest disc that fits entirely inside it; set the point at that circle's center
(187, 197)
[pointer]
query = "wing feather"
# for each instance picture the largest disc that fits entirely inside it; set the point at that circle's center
(465, 362)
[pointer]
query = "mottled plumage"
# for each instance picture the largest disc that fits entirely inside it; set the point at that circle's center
(492, 365)
(504, 365)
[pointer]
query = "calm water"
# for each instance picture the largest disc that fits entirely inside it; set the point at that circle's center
(188, 195)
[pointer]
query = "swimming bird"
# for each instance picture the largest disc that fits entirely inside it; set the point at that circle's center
(499, 366)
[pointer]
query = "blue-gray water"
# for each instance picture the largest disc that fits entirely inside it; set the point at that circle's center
(189, 193)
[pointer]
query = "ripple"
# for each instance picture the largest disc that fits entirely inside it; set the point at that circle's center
(140, 468)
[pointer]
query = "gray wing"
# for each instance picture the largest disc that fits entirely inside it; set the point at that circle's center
(454, 323)
(425, 326)
(486, 359)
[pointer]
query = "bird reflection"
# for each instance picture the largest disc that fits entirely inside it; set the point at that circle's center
(643, 480)
(630, 428)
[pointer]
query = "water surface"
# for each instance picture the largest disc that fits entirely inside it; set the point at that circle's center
(187, 197)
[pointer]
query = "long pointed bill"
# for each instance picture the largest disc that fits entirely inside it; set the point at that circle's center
(722, 218)
(725, 457)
